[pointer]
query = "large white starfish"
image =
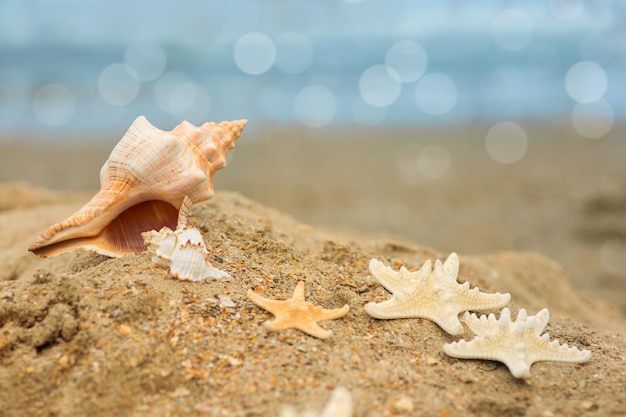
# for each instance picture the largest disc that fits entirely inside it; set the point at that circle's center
(431, 294)
(518, 344)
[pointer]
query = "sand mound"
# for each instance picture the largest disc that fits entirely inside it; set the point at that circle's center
(82, 334)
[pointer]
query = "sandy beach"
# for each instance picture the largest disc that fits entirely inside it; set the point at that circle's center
(84, 334)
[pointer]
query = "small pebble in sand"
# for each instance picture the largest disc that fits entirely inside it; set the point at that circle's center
(403, 405)
(432, 361)
(586, 405)
(125, 329)
(226, 301)
(180, 392)
(63, 360)
(6, 295)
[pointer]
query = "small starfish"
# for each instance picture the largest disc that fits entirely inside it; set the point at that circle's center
(297, 314)
(339, 405)
(434, 295)
(517, 344)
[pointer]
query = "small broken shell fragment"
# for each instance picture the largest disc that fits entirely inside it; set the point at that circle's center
(182, 250)
(339, 405)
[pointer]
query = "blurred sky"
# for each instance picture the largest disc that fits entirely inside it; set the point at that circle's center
(75, 67)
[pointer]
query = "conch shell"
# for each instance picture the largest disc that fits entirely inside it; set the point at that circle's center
(182, 250)
(143, 184)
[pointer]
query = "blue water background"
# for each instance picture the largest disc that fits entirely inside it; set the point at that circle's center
(70, 43)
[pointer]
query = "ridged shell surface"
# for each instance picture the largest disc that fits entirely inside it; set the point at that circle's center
(143, 184)
(183, 252)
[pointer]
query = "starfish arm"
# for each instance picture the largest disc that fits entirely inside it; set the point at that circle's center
(274, 325)
(323, 314)
(474, 299)
(404, 306)
(541, 349)
(447, 319)
(479, 325)
(265, 303)
(280, 323)
(311, 328)
(287, 321)
(298, 292)
(386, 276)
(303, 322)
(393, 309)
(487, 348)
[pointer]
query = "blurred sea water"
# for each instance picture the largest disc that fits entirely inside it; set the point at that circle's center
(89, 68)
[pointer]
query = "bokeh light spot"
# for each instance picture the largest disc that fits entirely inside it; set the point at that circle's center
(315, 106)
(408, 59)
(512, 30)
(506, 142)
(294, 53)
(379, 86)
(593, 120)
(613, 256)
(54, 104)
(408, 28)
(199, 110)
(416, 163)
(586, 82)
(174, 92)
(254, 53)
(434, 162)
(147, 60)
(182, 98)
(118, 84)
(436, 94)
(407, 162)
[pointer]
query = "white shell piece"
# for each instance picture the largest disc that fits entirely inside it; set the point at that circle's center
(182, 250)
(339, 405)
(226, 301)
